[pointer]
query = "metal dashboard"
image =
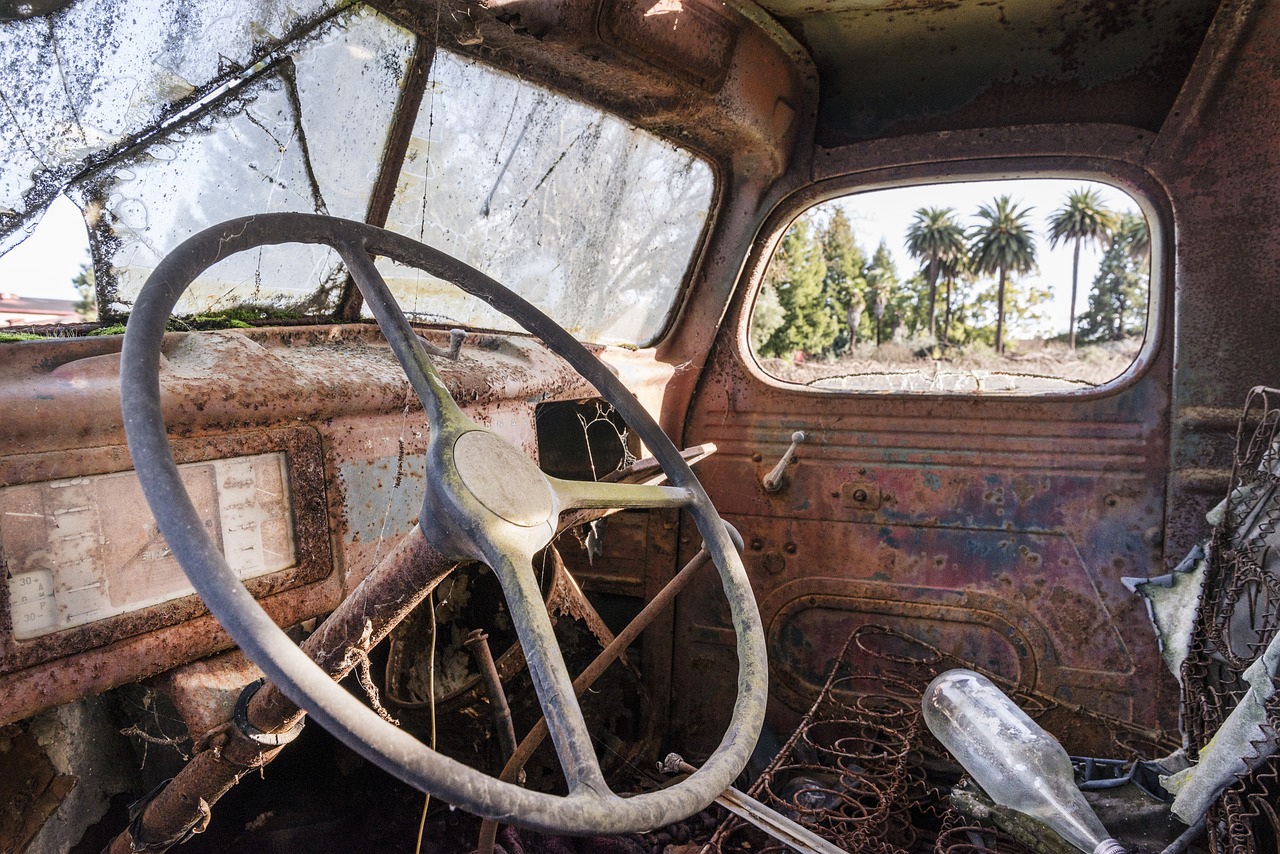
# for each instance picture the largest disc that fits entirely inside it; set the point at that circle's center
(303, 448)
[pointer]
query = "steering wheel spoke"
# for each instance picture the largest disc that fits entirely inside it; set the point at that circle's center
(443, 413)
(598, 495)
(551, 679)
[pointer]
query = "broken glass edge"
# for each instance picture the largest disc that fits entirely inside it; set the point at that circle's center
(229, 104)
(49, 181)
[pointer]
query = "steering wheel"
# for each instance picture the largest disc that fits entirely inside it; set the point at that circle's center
(485, 500)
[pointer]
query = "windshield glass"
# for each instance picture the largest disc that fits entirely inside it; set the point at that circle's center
(591, 220)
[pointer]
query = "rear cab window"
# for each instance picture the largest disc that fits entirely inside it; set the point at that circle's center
(960, 288)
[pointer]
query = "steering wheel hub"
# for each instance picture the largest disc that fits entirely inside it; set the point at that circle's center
(502, 479)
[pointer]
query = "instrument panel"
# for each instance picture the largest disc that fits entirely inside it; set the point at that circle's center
(92, 596)
(84, 549)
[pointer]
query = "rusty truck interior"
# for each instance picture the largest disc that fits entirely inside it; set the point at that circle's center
(490, 425)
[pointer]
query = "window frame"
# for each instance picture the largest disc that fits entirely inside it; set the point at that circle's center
(1124, 173)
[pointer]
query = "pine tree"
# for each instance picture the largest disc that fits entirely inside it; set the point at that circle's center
(1118, 300)
(797, 273)
(844, 282)
(87, 305)
(766, 317)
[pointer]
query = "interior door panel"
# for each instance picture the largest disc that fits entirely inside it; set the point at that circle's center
(998, 530)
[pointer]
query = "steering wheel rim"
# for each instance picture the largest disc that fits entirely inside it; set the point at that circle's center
(588, 809)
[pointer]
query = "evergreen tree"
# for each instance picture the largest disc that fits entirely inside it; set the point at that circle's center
(908, 310)
(766, 317)
(797, 273)
(844, 283)
(882, 280)
(87, 305)
(1118, 301)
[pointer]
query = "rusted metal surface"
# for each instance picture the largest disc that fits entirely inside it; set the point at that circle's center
(31, 790)
(92, 671)
(1038, 62)
(310, 523)
(999, 528)
(204, 693)
(66, 395)
(1217, 157)
(63, 412)
(545, 41)
(398, 584)
(1002, 540)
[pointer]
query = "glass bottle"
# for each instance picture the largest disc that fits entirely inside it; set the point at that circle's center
(1018, 764)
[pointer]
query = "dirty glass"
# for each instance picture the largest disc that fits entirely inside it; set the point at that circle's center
(592, 220)
(306, 135)
(960, 288)
(87, 79)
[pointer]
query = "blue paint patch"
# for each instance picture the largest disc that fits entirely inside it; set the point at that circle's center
(382, 497)
(932, 481)
(977, 548)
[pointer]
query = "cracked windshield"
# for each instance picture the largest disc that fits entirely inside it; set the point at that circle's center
(1016, 286)
(592, 220)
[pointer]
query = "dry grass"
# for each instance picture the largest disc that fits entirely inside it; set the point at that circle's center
(1028, 366)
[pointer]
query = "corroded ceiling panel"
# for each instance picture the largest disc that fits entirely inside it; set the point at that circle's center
(886, 63)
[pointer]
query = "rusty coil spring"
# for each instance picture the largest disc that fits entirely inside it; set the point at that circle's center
(870, 775)
(1238, 616)
(975, 839)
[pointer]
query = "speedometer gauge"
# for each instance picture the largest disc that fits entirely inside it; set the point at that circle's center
(84, 549)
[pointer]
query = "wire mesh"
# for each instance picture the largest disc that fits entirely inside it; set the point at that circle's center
(1238, 616)
(863, 771)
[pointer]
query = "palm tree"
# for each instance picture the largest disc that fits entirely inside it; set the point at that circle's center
(1002, 244)
(952, 269)
(1132, 230)
(1081, 219)
(934, 238)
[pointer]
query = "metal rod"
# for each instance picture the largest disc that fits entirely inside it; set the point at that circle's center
(400, 581)
(477, 643)
(772, 822)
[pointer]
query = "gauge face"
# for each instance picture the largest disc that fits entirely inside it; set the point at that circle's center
(87, 548)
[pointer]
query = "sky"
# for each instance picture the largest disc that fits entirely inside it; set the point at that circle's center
(886, 215)
(44, 264)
